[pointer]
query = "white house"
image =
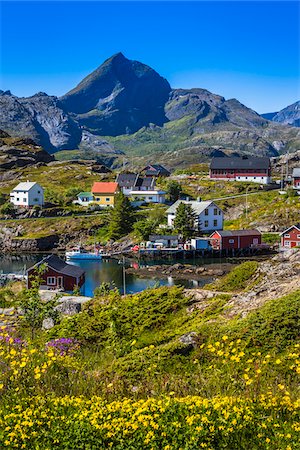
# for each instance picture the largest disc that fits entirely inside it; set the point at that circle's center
(209, 216)
(84, 198)
(155, 196)
(27, 194)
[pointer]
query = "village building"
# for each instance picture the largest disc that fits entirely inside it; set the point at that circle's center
(155, 196)
(104, 193)
(127, 182)
(209, 216)
(254, 169)
(156, 170)
(163, 241)
(84, 198)
(291, 237)
(296, 178)
(140, 189)
(235, 239)
(57, 275)
(27, 194)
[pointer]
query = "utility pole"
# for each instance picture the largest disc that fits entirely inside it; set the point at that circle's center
(124, 277)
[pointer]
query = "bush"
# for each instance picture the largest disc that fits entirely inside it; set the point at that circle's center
(236, 279)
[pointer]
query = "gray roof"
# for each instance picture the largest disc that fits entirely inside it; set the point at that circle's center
(127, 179)
(145, 182)
(167, 237)
(59, 265)
(198, 207)
(229, 233)
(240, 163)
(156, 169)
(296, 172)
(25, 186)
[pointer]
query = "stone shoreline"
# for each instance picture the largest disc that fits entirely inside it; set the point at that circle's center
(182, 271)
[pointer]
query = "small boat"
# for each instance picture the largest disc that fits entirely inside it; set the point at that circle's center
(82, 254)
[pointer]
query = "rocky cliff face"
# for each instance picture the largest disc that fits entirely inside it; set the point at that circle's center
(289, 115)
(20, 152)
(41, 118)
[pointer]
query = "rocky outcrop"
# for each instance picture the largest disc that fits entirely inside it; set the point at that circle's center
(20, 152)
(11, 241)
(41, 118)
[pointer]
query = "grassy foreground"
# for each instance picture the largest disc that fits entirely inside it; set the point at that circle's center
(155, 370)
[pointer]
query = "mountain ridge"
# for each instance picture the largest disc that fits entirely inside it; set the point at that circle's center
(131, 108)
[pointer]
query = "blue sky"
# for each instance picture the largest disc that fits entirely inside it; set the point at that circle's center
(246, 50)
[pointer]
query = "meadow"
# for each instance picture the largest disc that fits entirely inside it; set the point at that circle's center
(155, 370)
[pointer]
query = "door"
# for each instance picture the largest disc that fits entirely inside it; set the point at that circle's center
(60, 282)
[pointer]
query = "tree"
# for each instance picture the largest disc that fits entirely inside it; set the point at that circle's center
(144, 228)
(7, 209)
(184, 220)
(34, 310)
(122, 217)
(174, 190)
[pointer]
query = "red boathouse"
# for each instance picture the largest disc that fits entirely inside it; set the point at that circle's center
(257, 170)
(291, 237)
(235, 239)
(58, 274)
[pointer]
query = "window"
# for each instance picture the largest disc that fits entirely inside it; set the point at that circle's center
(215, 212)
(231, 241)
(287, 236)
(287, 244)
(97, 199)
(255, 241)
(215, 223)
(107, 199)
(51, 281)
(17, 199)
(206, 212)
(150, 198)
(219, 212)
(24, 199)
(206, 223)
(39, 192)
(298, 236)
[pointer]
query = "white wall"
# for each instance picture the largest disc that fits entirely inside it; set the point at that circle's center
(211, 221)
(206, 220)
(35, 196)
(256, 179)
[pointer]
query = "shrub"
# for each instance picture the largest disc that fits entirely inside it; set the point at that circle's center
(237, 279)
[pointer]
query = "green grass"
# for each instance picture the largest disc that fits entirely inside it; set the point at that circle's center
(236, 280)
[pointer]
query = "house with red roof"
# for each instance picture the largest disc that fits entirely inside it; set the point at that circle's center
(291, 237)
(104, 193)
(235, 239)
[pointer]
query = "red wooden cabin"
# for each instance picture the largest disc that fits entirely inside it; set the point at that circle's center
(291, 237)
(58, 274)
(235, 239)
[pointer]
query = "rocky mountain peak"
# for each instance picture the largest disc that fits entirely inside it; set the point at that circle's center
(119, 97)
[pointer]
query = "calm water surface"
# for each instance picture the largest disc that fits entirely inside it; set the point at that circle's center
(97, 272)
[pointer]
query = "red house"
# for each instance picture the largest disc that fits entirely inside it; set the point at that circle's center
(235, 240)
(296, 178)
(291, 237)
(257, 170)
(58, 274)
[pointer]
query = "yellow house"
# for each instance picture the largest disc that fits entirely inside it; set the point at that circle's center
(104, 192)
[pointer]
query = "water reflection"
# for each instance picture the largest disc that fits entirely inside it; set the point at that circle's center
(97, 272)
